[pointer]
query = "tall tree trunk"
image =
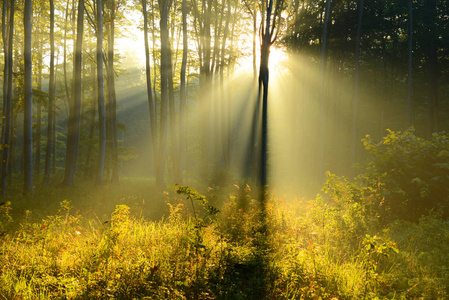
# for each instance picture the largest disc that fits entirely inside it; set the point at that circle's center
(75, 102)
(322, 132)
(5, 26)
(224, 133)
(172, 110)
(160, 168)
(356, 85)
(205, 85)
(66, 85)
(28, 103)
(410, 64)
(38, 133)
(153, 129)
(51, 97)
(112, 95)
(433, 71)
(183, 96)
(100, 96)
(7, 93)
(269, 36)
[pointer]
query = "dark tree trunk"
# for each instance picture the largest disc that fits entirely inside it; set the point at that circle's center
(7, 93)
(410, 64)
(112, 96)
(153, 129)
(173, 129)
(322, 132)
(224, 133)
(162, 155)
(66, 85)
(433, 72)
(75, 103)
(356, 85)
(100, 96)
(51, 97)
(28, 103)
(182, 103)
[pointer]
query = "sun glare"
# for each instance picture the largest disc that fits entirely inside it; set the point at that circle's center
(277, 57)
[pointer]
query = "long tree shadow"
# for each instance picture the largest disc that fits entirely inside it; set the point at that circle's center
(245, 269)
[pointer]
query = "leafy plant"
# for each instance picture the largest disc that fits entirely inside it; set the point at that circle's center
(410, 172)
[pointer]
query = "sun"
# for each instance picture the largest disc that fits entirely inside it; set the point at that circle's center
(278, 57)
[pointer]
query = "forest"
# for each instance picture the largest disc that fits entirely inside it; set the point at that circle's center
(224, 149)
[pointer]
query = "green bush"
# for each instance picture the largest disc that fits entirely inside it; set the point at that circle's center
(409, 173)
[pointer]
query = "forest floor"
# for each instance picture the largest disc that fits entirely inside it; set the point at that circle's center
(126, 241)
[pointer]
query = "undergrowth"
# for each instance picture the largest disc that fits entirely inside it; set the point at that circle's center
(329, 248)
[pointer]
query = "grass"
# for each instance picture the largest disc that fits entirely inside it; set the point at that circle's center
(116, 242)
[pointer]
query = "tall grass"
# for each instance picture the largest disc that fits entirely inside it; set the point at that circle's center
(327, 248)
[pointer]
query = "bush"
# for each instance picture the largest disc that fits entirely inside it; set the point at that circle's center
(409, 172)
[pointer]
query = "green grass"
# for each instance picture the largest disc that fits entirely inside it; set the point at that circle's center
(119, 242)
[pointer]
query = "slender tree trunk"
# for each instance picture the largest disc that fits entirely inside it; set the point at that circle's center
(153, 129)
(183, 96)
(356, 85)
(205, 86)
(172, 111)
(66, 85)
(51, 98)
(38, 133)
(153, 35)
(433, 71)
(28, 103)
(7, 94)
(160, 168)
(100, 96)
(224, 133)
(322, 134)
(410, 64)
(263, 92)
(112, 95)
(75, 103)
(5, 26)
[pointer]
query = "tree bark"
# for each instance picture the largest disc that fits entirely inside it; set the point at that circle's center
(356, 85)
(322, 133)
(162, 155)
(183, 96)
(112, 95)
(75, 102)
(433, 72)
(7, 93)
(153, 128)
(100, 96)
(28, 103)
(410, 64)
(51, 97)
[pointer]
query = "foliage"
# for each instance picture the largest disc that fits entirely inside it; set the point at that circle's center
(408, 173)
(332, 247)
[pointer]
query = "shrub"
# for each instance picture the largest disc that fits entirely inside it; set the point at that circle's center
(411, 173)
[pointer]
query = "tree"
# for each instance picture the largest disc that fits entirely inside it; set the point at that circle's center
(112, 103)
(183, 94)
(410, 63)
(75, 102)
(269, 33)
(7, 90)
(323, 62)
(28, 103)
(165, 48)
(51, 97)
(153, 126)
(356, 85)
(100, 95)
